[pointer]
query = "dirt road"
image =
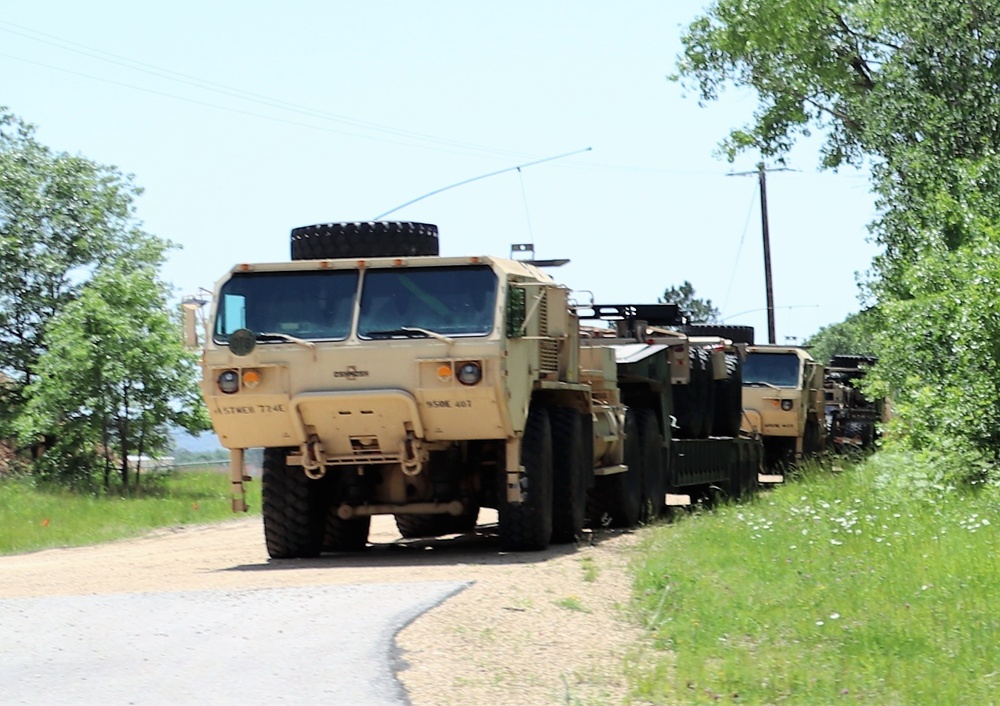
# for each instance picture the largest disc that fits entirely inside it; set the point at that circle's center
(532, 628)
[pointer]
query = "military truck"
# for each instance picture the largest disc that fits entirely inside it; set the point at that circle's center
(382, 378)
(851, 417)
(783, 403)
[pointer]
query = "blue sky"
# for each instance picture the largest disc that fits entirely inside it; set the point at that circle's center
(242, 120)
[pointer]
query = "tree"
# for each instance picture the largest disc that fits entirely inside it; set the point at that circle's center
(852, 336)
(60, 215)
(699, 311)
(115, 375)
(908, 90)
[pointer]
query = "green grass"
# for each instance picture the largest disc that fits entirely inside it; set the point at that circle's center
(839, 587)
(41, 517)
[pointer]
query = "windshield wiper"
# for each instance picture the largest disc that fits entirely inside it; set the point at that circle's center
(409, 331)
(270, 336)
(761, 383)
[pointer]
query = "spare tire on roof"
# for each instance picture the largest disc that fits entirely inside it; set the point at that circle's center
(364, 239)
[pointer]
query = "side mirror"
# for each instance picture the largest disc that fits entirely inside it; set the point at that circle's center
(190, 308)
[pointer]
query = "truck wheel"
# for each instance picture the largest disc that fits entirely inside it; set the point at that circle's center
(527, 526)
(294, 508)
(372, 239)
(569, 493)
(346, 535)
(654, 481)
(620, 495)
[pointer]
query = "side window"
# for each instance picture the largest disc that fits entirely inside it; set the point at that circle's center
(232, 314)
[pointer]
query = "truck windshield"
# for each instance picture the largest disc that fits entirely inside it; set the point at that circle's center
(453, 301)
(307, 305)
(777, 369)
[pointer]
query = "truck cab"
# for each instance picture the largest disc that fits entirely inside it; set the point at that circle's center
(783, 402)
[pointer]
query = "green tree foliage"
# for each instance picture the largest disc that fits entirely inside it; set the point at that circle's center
(90, 357)
(699, 311)
(910, 91)
(59, 216)
(115, 374)
(852, 336)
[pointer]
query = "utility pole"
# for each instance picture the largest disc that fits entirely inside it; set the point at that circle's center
(762, 172)
(766, 233)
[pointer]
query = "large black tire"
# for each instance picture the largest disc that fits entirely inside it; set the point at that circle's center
(729, 399)
(371, 239)
(619, 496)
(527, 526)
(569, 493)
(654, 477)
(346, 535)
(736, 334)
(294, 508)
(694, 403)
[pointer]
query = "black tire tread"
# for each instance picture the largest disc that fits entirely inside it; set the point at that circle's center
(364, 239)
(294, 509)
(569, 492)
(527, 526)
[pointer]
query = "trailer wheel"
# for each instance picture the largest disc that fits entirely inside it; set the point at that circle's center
(569, 493)
(346, 535)
(527, 526)
(294, 508)
(654, 481)
(372, 239)
(620, 495)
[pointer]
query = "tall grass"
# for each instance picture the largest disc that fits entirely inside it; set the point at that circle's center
(876, 584)
(37, 517)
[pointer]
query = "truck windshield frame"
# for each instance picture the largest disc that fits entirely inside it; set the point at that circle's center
(394, 303)
(308, 305)
(776, 369)
(452, 301)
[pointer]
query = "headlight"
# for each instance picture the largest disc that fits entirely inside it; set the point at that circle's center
(786, 405)
(229, 381)
(470, 373)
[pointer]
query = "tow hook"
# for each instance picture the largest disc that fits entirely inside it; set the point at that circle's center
(411, 463)
(313, 458)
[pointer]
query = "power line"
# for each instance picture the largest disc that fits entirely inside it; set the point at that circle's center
(223, 89)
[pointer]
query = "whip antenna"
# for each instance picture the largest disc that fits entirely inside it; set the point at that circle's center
(484, 176)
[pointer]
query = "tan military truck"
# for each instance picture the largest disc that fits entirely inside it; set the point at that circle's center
(783, 402)
(381, 378)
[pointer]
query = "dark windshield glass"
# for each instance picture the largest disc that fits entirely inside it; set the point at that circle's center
(453, 301)
(309, 305)
(778, 369)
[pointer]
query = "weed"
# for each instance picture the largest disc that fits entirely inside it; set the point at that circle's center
(572, 603)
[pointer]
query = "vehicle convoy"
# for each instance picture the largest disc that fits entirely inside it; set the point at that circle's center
(783, 403)
(851, 417)
(381, 378)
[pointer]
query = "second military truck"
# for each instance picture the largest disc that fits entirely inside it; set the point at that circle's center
(381, 378)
